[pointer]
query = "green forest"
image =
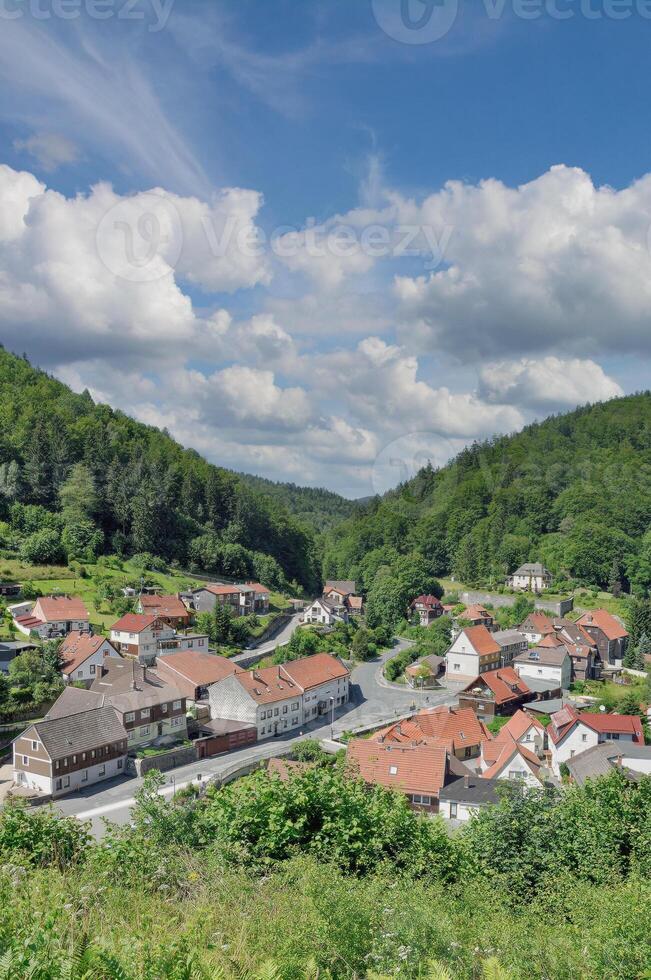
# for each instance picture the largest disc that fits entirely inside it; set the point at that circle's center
(78, 480)
(573, 492)
(323, 877)
(321, 509)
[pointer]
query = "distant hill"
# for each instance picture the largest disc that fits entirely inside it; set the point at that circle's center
(320, 508)
(79, 479)
(573, 491)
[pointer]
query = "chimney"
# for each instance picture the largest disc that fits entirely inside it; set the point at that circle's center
(466, 782)
(619, 761)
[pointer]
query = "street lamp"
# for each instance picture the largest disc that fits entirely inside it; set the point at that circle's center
(332, 718)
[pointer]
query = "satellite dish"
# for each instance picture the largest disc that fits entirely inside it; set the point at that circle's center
(602, 707)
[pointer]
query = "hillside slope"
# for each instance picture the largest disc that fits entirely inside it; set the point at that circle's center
(78, 479)
(573, 491)
(320, 508)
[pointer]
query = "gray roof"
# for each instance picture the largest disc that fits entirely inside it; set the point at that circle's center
(602, 759)
(478, 792)
(548, 656)
(126, 686)
(540, 685)
(72, 700)
(531, 568)
(14, 647)
(507, 637)
(80, 732)
(340, 584)
(547, 707)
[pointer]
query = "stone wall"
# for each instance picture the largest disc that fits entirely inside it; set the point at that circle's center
(180, 756)
(559, 607)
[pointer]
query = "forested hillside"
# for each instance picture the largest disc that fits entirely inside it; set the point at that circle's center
(316, 506)
(573, 492)
(79, 479)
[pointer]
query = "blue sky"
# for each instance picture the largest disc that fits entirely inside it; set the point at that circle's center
(510, 154)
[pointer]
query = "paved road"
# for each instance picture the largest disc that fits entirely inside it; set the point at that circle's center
(371, 702)
(280, 639)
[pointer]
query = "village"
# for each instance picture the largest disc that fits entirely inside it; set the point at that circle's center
(500, 705)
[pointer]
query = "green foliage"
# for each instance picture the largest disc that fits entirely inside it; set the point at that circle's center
(573, 491)
(40, 837)
(395, 586)
(107, 481)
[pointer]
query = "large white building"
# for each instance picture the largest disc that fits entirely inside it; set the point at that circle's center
(473, 652)
(279, 699)
(530, 577)
(572, 732)
(546, 664)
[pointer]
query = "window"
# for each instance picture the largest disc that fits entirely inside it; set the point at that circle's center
(56, 764)
(57, 784)
(144, 713)
(34, 746)
(144, 730)
(285, 709)
(101, 771)
(294, 721)
(468, 753)
(453, 810)
(295, 706)
(25, 760)
(66, 781)
(263, 715)
(74, 759)
(84, 776)
(80, 673)
(584, 738)
(130, 715)
(176, 706)
(393, 770)
(276, 712)
(456, 666)
(163, 709)
(92, 754)
(92, 668)
(83, 756)
(120, 761)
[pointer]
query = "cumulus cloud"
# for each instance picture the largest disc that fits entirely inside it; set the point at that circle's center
(555, 261)
(547, 383)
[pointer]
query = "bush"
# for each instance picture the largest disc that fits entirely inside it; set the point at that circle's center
(42, 548)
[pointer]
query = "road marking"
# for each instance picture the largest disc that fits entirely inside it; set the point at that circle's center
(124, 804)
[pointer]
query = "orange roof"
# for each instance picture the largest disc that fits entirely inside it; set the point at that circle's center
(134, 623)
(400, 731)
(475, 611)
(564, 720)
(318, 669)
(217, 588)
(286, 767)
(603, 620)
(78, 647)
(510, 748)
(459, 726)
(267, 685)
(197, 667)
(551, 641)
(164, 605)
(409, 768)
(519, 723)
(257, 587)
(540, 622)
(482, 641)
(59, 607)
(355, 601)
(502, 683)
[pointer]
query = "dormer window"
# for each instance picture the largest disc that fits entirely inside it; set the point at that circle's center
(393, 770)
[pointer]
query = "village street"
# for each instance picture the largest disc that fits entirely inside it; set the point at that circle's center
(372, 702)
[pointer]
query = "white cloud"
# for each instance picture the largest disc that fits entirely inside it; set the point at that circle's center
(548, 383)
(50, 150)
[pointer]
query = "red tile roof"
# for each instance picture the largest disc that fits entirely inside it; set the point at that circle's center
(482, 641)
(216, 588)
(540, 622)
(267, 685)
(78, 647)
(355, 601)
(603, 620)
(134, 623)
(199, 668)
(318, 669)
(400, 731)
(164, 605)
(426, 600)
(519, 723)
(505, 684)
(459, 726)
(257, 587)
(564, 720)
(54, 608)
(475, 611)
(510, 748)
(418, 768)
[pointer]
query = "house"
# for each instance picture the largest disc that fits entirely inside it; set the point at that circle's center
(169, 608)
(324, 613)
(473, 652)
(526, 729)
(531, 577)
(427, 608)
(572, 732)
(608, 633)
(145, 637)
(458, 728)
(341, 595)
(465, 796)
(82, 656)
(632, 760)
(340, 587)
(52, 616)
(10, 649)
(478, 616)
(549, 663)
(496, 692)
(193, 672)
(61, 754)
(9, 589)
(511, 643)
(536, 626)
(505, 758)
(425, 672)
(282, 698)
(223, 735)
(242, 600)
(419, 769)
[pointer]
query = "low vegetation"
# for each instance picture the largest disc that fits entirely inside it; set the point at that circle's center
(317, 876)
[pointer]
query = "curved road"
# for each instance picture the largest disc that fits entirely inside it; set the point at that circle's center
(371, 702)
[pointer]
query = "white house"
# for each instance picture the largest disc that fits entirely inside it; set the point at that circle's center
(572, 732)
(146, 636)
(545, 663)
(463, 798)
(532, 577)
(473, 652)
(325, 613)
(279, 699)
(526, 730)
(82, 655)
(507, 759)
(52, 616)
(536, 626)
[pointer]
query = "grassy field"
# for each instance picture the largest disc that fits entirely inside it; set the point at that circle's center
(583, 598)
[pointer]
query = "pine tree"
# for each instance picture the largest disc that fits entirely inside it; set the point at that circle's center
(222, 619)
